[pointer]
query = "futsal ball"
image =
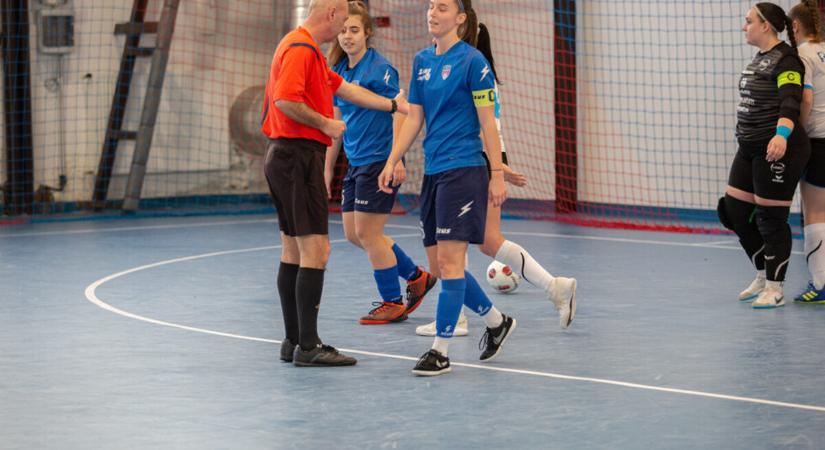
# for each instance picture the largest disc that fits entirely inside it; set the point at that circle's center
(502, 278)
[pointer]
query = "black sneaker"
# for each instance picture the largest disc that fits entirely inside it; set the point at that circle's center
(431, 364)
(493, 339)
(287, 350)
(321, 356)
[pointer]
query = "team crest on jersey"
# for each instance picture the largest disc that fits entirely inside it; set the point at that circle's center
(764, 64)
(424, 74)
(445, 71)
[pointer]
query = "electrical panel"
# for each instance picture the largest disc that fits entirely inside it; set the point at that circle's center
(55, 26)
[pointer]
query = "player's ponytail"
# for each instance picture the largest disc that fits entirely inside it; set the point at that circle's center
(468, 31)
(484, 45)
(808, 16)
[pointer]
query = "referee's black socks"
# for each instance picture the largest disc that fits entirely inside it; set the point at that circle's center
(308, 289)
(287, 276)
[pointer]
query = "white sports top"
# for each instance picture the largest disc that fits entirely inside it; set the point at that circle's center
(813, 58)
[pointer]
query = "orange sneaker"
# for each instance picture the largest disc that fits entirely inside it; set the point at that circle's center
(417, 288)
(385, 312)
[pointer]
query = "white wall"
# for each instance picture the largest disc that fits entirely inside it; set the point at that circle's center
(656, 94)
(220, 47)
(658, 88)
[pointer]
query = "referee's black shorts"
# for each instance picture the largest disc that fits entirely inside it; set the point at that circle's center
(294, 170)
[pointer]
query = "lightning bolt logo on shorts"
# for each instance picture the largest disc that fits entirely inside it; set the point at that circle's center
(466, 208)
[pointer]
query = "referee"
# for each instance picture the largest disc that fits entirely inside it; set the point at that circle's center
(297, 118)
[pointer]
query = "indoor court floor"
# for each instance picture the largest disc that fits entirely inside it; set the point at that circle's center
(164, 333)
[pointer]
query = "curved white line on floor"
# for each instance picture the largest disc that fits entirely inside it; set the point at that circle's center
(93, 298)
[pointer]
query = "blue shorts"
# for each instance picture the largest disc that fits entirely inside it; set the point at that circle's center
(454, 205)
(360, 190)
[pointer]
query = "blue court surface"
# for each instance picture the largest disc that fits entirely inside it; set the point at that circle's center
(164, 333)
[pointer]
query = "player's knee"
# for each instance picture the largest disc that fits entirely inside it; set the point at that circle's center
(449, 268)
(366, 237)
(352, 237)
(734, 214)
(772, 222)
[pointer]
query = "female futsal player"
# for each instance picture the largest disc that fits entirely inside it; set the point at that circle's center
(773, 151)
(560, 290)
(452, 88)
(807, 27)
(367, 142)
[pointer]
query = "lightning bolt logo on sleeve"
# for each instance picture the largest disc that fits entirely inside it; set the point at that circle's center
(387, 77)
(484, 72)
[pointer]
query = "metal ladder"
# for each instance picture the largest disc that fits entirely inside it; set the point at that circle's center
(132, 50)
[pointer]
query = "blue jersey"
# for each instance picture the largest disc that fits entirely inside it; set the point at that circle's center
(368, 137)
(449, 87)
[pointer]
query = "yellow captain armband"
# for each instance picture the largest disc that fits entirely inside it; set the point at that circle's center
(789, 77)
(484, 97)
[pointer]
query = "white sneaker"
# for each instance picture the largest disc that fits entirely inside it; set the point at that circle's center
(429, 329)
(753, 291)
(770, 297)
(563, 294)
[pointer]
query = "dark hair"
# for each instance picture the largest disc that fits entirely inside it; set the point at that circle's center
(808, 16)
(468, 31)
(484, 45)
(776, 18)
(354, 8)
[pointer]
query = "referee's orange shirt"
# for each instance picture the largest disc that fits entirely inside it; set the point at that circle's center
(299, 73)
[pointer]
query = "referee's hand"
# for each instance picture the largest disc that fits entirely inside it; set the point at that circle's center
(334, 128)
(385, 179)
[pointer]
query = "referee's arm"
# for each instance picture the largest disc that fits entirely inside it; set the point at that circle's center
(368, 99)
(303, 114)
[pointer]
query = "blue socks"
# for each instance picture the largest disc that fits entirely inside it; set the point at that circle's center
(406, 266)
(450, 301)
(388, 287)
(474, 298)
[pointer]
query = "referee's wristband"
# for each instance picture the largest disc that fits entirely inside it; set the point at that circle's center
(783, 131)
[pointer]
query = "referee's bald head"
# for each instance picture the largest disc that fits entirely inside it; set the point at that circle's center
(316, 4)
(326, 18)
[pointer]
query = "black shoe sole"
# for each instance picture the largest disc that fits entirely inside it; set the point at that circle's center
(431, 373)
(306, 364)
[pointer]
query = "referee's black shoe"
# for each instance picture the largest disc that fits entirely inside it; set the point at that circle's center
(494, 338)
(321, 356)
(287, 350)
(431, 364)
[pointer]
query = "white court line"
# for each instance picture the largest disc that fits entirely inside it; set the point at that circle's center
(134, 228)
(711, 244)
(92, 297)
